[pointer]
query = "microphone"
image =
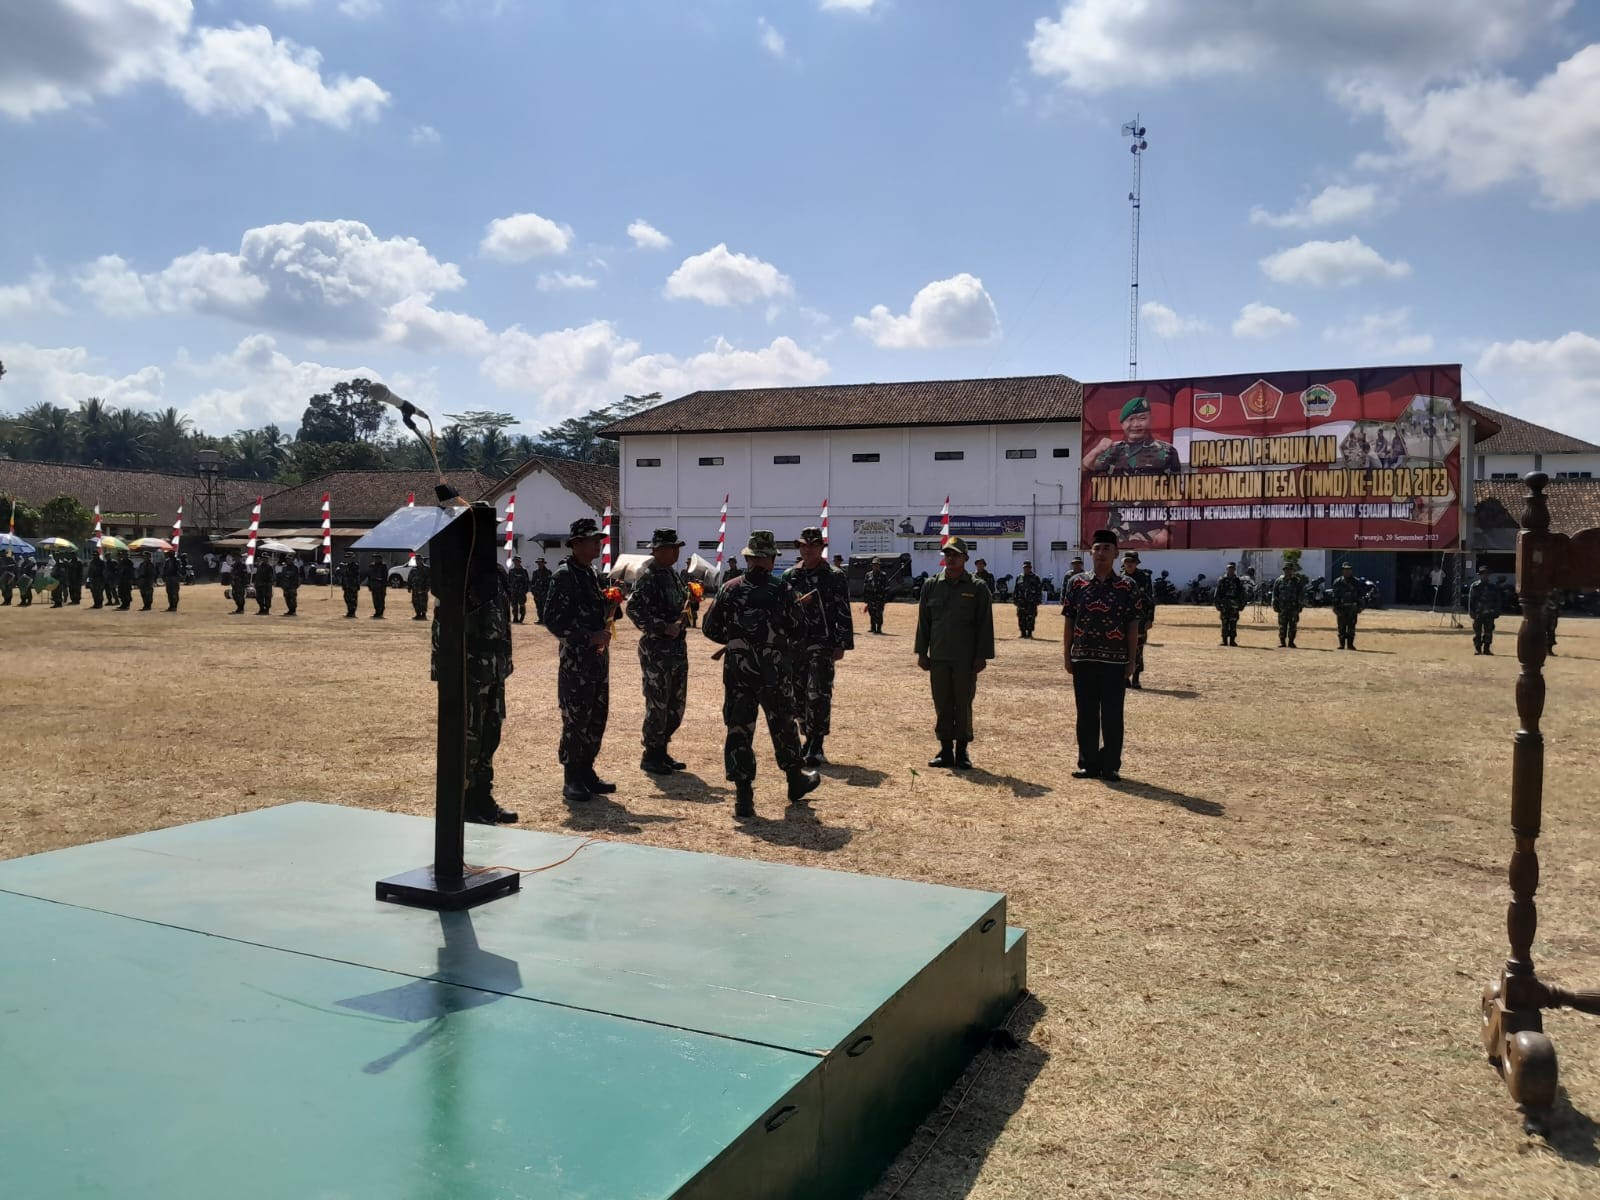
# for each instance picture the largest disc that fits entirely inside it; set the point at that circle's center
(408, 410)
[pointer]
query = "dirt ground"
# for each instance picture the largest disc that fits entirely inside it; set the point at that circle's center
(1255, 965)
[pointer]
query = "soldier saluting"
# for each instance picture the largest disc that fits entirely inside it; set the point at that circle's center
(825, 635)
(575, 612)
(754, 617)
(659, 607)
(1229, 599)
(1483, 605)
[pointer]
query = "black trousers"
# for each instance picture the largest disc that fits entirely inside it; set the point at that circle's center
(1100, 689)
(172, 595)
(379, 597)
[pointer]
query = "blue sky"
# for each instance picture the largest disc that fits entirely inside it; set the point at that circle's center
(228, 206)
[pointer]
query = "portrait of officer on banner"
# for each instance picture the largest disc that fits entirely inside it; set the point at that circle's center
(1139, 452)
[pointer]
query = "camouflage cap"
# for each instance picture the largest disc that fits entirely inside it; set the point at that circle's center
(810, 536)
(665, 537)
(762, 543)
(582, 530)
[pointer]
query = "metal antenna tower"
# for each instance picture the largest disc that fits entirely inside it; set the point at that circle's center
(1133, 129)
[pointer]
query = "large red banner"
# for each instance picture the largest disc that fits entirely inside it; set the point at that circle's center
(1365, 459)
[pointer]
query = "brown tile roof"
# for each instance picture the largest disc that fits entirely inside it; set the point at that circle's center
(864, 405)
(1574, 503)
(121, 491)
(1517, 436)
(363, 495)
(593, 483)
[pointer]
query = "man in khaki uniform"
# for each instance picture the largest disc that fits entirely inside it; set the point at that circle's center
(955, 641)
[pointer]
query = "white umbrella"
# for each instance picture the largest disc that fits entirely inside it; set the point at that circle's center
(274, 547)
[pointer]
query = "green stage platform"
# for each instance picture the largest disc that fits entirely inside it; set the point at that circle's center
(225, 1009)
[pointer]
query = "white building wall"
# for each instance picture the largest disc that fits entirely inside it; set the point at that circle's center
(1552, 464)
(543, 507)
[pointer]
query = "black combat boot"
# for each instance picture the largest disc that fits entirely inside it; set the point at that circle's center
(655, 762)
(666, 757)
(574, 788)
(482, 810)
(813, 752)
(946, 756)
(744, 800)
(802, 784)
(596, 785)
(963, 763)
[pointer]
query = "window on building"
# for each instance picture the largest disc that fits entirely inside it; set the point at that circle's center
(1019, 545)
(1061, 452)
(1538, 462)
(1060, 547)
(708, 545)
(864, 458)
(1022, 454)
(1503, 475)
(641, 545)
(711, 462)
(1480, 467)
(949, 455)
(785, 460)
(647, 462)
(1574, 474)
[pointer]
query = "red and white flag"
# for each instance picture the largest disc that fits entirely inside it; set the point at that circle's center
(411, 502)
(177, 528)
(605, 544)
(722, 533)
(98, 534)
(944, 524)
(824, 526)
(327, 532)
(255, 528)
(511, 523)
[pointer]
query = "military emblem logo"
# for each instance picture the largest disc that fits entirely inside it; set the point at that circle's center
(1261, 400)
(1317, 400)
(1208, 406)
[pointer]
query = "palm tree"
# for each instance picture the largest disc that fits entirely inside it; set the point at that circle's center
(92, 418)
(49, 432)
(127, 442)
(493, 454)
(455, 449)
(250, 455)
(169, 438)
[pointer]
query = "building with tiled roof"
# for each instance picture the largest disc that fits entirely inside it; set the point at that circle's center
(551, 494)
(132, 503)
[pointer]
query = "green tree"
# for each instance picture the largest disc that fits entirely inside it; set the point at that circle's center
(50, 433)
(455, 449)
(65, 517)
(24, 516)
(171, 440)
(492, 453)
(127, 438)
(578, 437)
(93, 417)
(479, 421)
(345, 413)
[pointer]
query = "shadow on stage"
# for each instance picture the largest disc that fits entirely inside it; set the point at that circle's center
(947, 1153)
(601, 814)
(799, 829)
(1019, 787)
(1149, 791)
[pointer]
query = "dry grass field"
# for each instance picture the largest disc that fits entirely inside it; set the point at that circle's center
(1255, 964)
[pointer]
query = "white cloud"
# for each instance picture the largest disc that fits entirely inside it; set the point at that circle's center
(31, 297)
(564, 281)
(646, 236)
(1100, 45)
(771, 40)
(425, 135)
(721, 278)
(1331, 264)
(522, 236)
(1491, 130)
(256, 383)
(418, 326)
(573, 369)
(1260, 321)
(1554, 382)
(1388, 333)
(329, 280)
(65, 375)
(1164, 322)
(855, 6)
(947, 312)
(1333, 205)
(71, 52)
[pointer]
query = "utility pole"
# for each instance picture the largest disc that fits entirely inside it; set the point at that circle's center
(1133, 129)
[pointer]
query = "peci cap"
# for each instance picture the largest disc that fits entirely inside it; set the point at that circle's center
(1103, 537)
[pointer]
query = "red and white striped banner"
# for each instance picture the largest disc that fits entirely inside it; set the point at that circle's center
(722, 533)
(255, 528)
(605, 544)
(411, 502)
(327, 532)
(98, 533)
(511, 524)
(824, 526)
(177, 528)
(944, 524)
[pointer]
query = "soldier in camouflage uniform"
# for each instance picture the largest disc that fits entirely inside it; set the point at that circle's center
(520, 584)
(1552, 617)
(418, 583)
(488, 628)
(827, 632)
(539, 585)
(1147, 611)
(659, 606)
(238, 585)
(1026, 594)
(577, 614)
(377, 585)
(755, 617)
(1483, 605)
(1288, 598)
(983, 575)
(1138, 453)
(289, 584)
(8, 577)
(348, 576)
(875, 592)
(262, 578)
(145, 574)
(1230, 599)
(1345, 597)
